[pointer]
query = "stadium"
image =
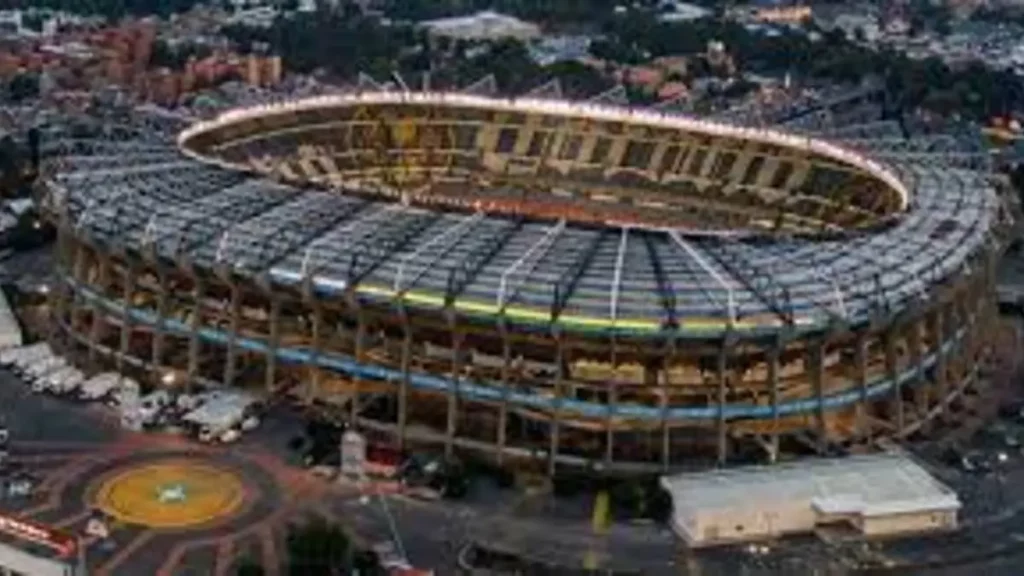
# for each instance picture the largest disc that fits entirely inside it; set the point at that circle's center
(531, 279)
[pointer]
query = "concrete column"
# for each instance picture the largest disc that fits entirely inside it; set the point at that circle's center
(403, 390)
(234, 311)
(157, 352)
(617, 151)
(941, 357)
(920, 391)
(453, 395)
(817, 357)
(270, 377)
(722, 425)
(506, 355)
(774, 356)
(128, 295)
(313, 387)
(613, 398)
(653, 167)
(79, 274)
(860, 359)
(360, 354)
(193, 337)
(556, 416)
(666, 428)
(59, 299)
(98, 314)
(892, 373)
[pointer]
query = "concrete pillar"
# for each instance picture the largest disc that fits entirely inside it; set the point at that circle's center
(613, 399)
(128, 295)
(270, 377)
(360, 355)
(313, 386)
(193, 337)
(666, 428)
(159, 328)
(98, 315)
(403, 390)
(79, 274)
(892, 373)
(234, 311)
(941, 357)
(817, 358)
(920, 390)
(774, 356)
(453, 395)
(722, 425)
(506, 355)
(556, 415)
(860, 353)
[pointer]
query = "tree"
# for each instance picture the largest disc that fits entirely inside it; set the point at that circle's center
(249, 567)
(318, 548)
(366, 563)
(23, 86)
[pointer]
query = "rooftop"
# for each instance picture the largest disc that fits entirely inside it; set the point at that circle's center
(871, 485)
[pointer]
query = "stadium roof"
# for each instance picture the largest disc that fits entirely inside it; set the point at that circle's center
(142, 193)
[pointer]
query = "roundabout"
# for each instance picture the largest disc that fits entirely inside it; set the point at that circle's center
(171, 494)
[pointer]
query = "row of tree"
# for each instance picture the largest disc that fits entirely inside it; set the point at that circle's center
(319, 548)
(974, 90)
(112, 10)
(314, 41)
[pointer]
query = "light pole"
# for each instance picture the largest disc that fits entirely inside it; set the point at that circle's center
(396, 538)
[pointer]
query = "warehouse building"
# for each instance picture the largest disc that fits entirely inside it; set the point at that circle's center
(876, 495)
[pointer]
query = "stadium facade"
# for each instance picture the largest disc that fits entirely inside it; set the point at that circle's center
(539, 280)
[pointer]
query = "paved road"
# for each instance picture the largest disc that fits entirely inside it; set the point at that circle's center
(58, 434)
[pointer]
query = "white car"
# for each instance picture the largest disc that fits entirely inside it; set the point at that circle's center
(389, 557)
(223, 416)
(51, 381)
(188, 402)
(10, 355)
(131, 417)
(151, 407)
(27, 360)
(126, 393)
(43, 367)
(99, 386)
(68, 383)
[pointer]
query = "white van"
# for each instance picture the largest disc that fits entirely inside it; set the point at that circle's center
(223, 416)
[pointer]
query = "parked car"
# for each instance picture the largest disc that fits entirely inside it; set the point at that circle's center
(9, 356)
(53, 381)
(99, 387)
(41, 368)
(152, 406)
(223, 417)
(26, 361)
(19, 485)
(126, 393)
(69, 383)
